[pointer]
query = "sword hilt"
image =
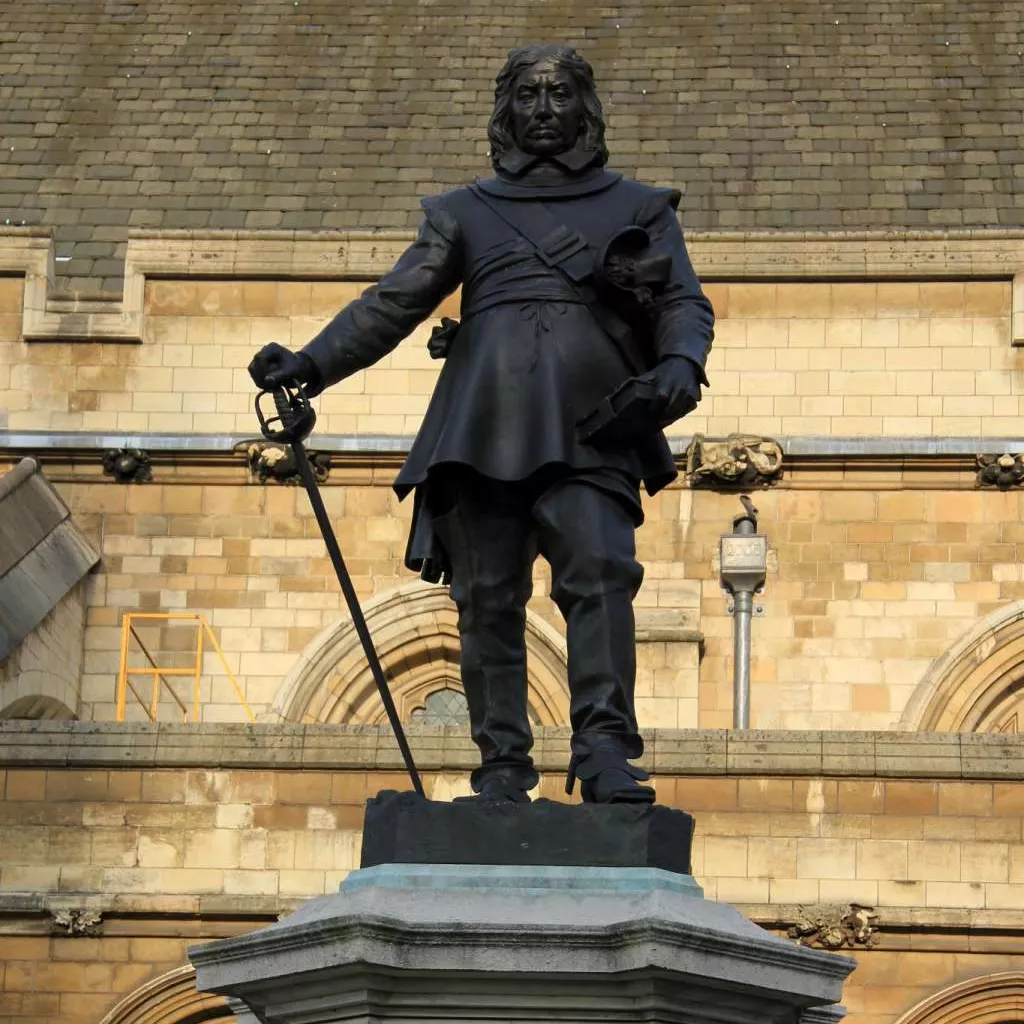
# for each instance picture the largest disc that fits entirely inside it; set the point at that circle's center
(295, 416)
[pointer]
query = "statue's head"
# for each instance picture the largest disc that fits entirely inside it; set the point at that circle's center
(545, 103)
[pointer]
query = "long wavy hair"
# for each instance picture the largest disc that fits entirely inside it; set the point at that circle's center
(499, 128)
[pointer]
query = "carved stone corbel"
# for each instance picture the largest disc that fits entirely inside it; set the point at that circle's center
(127, 465)
(835, 927)
(1002, 471)
(739, 460)
(268, 461)
(77, 922)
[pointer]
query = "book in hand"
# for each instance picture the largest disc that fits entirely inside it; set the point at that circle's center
(628, 414)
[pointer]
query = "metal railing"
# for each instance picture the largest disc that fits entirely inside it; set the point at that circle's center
(159, 675)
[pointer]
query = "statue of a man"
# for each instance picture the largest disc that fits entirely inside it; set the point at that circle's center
(583, 331)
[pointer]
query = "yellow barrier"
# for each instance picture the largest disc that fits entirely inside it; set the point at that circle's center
(159, 675)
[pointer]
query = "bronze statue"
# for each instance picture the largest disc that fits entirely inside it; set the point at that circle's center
(583, 331)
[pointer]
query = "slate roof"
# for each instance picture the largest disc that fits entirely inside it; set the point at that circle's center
(308, 114)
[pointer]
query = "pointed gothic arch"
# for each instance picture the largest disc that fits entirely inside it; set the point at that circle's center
(993, 999)
(416, 634)
(172, 998)
(978, 684)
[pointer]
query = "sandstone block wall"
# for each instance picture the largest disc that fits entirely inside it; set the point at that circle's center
(169, 854)
(881, 358)
(866, 588)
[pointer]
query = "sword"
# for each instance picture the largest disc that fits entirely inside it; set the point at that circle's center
(295, 419)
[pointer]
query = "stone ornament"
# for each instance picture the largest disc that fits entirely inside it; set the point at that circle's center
(833, 927)
(77, 922)
(277, 462)
(127, 465)
(738, 460)
(1002, 471)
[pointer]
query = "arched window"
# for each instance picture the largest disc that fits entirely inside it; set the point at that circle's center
(171, 998)
(993, 999)
(978, 684)
(415, 632)
(448, 706)
(36, 707)
(442, 707)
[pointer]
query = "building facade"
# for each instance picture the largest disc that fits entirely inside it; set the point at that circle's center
(185, 184)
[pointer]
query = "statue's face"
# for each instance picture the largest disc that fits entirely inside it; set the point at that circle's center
(547, 110)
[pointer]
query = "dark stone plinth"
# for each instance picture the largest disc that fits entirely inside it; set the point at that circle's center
(403, 828)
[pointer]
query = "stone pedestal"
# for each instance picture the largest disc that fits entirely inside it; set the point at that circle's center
(461, 943)
(403, 828)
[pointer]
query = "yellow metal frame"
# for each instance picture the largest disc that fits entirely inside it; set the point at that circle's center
(159, 675)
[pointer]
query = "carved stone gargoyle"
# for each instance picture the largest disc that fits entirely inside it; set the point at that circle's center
(833, 927)
(739, 460)
(276, 462)
(1002, 471)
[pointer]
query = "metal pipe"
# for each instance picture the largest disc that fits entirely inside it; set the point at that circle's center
(742, 610)
(744, 561)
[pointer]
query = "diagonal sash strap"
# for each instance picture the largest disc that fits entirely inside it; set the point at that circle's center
(567, 252)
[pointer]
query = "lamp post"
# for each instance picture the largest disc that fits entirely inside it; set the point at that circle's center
(744, 566)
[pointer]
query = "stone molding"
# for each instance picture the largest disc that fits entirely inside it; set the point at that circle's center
(368, 254)
(171, 998)
(904, 928)
(811, 463)
(688, 752)
(972, 686)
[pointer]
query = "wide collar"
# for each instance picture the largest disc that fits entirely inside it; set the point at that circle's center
(514, 163)
(597, 179)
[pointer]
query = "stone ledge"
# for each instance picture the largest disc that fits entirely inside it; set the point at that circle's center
(26, 913)
(27, 907)
(688, 752)
(368, 254)
(56, 444)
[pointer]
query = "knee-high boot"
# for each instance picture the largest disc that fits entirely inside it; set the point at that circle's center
(491, 583)
(588, 538)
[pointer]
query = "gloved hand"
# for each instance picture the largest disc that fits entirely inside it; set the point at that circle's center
(678, 382)
(442, 337)
(274, 364)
